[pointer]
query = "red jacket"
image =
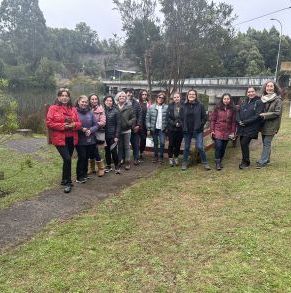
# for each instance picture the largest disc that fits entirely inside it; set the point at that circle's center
(223, 123)
(55, 122)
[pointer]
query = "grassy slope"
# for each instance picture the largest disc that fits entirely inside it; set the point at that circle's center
(195, 231)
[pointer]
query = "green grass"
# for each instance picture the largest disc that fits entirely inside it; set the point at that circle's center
(192, 231)
(25, 175)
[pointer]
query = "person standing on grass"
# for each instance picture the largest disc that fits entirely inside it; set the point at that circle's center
(157, 124)
(100, 117)
(145, 105)
(249, 123)
(112, 132)
(272, 119)
(86, 146)
(63, 124)
(193, 118)
(175, 131)
(127, 122)
(134, 137)
(223, 126)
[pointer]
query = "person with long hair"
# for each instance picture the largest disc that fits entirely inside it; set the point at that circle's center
(175, 131)
(112, 132)
(63, 124)
(86, 146)
(222, 126)
(272, 119)
(145, 105)
(249, 123)
(127, 122)
(100, 117)
(193, 118)
(157, 124)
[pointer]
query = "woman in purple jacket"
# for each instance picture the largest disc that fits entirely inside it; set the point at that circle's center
(86, 146)
(223, 126)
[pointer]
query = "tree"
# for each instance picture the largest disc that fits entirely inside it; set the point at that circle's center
(23, 29)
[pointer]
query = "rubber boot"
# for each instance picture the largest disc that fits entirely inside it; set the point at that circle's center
(92, 169)
(101, 168)
(217, 164)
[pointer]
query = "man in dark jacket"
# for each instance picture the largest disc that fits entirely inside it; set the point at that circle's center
(134, 138)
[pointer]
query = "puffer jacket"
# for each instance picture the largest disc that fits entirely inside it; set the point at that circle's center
(55, 122)
(174, 123)
(272, 116)
(152, 115)
(249, 114)
(127, 117)
(112, 127)
(100, 116)
(223, 122)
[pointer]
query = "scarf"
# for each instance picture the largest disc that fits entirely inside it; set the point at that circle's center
(268, 98)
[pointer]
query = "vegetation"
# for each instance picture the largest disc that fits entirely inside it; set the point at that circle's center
(228, 231)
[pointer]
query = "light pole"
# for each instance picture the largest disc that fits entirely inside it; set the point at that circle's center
(279, 49)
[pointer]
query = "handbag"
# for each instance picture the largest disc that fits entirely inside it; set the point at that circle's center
(100, 136)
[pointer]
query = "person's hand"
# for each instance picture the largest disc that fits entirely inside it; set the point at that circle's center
(241, 123)
(70, 125)
(136, 129)
(88, 132)
(212, 134)
(149, 133)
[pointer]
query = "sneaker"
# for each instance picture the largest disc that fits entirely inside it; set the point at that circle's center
(117, 171)
(243, 165)
(206, 167)
(127, 166)
(155, 160)
(260, 166)
(107, 169)
(68, 188)
(136, 162)
(184, 166)
(176, 161)
(161, 161)
(171, 162)
(141, 158)
(65, 182)
(81, 180)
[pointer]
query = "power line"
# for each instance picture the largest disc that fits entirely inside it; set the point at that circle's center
(270, 13)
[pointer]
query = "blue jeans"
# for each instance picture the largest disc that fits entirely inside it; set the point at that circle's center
(266, 152)
(159, 137)
(134, 140)
(198, 136)
(220, 147)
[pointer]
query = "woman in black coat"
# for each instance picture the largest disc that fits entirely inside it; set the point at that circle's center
(175, 130)
(249, 123)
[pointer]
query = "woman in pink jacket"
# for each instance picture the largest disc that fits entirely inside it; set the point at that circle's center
(100, 116)
(223, 126)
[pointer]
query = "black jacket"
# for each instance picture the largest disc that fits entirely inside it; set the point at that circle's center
(173, 123)
(249, 114)
(137, 112)
(112, 127)
(193, 117)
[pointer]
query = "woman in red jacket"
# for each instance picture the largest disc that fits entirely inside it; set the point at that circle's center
(223, 126)
(63, 122)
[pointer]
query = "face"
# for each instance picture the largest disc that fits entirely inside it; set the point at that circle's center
(251, 93)
(109, 103)
(144, 96)
(176, 98)
(270, 88)
(226, 100)
(122, 98)
(129, 95)
(160, 99)
(192, 96)
(64, 98)
(94, 100)
(83, 103)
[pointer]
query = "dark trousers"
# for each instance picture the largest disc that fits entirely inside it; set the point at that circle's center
(84, 153)
(134, 141)
(175, 140)
(66, 153)
(142, 140)
(245, 148)
(111, 153)
(95, 156)
(220, 147)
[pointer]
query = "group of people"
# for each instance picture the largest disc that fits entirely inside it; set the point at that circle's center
(125, 121)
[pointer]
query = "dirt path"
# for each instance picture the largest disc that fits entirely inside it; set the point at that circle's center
(22, 220)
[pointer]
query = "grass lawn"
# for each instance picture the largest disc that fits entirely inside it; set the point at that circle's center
(27, 174)
(192, 231)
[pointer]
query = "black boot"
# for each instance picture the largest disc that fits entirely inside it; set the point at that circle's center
(218, 164)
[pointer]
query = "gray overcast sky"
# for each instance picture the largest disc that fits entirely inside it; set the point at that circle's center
(98, 14)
